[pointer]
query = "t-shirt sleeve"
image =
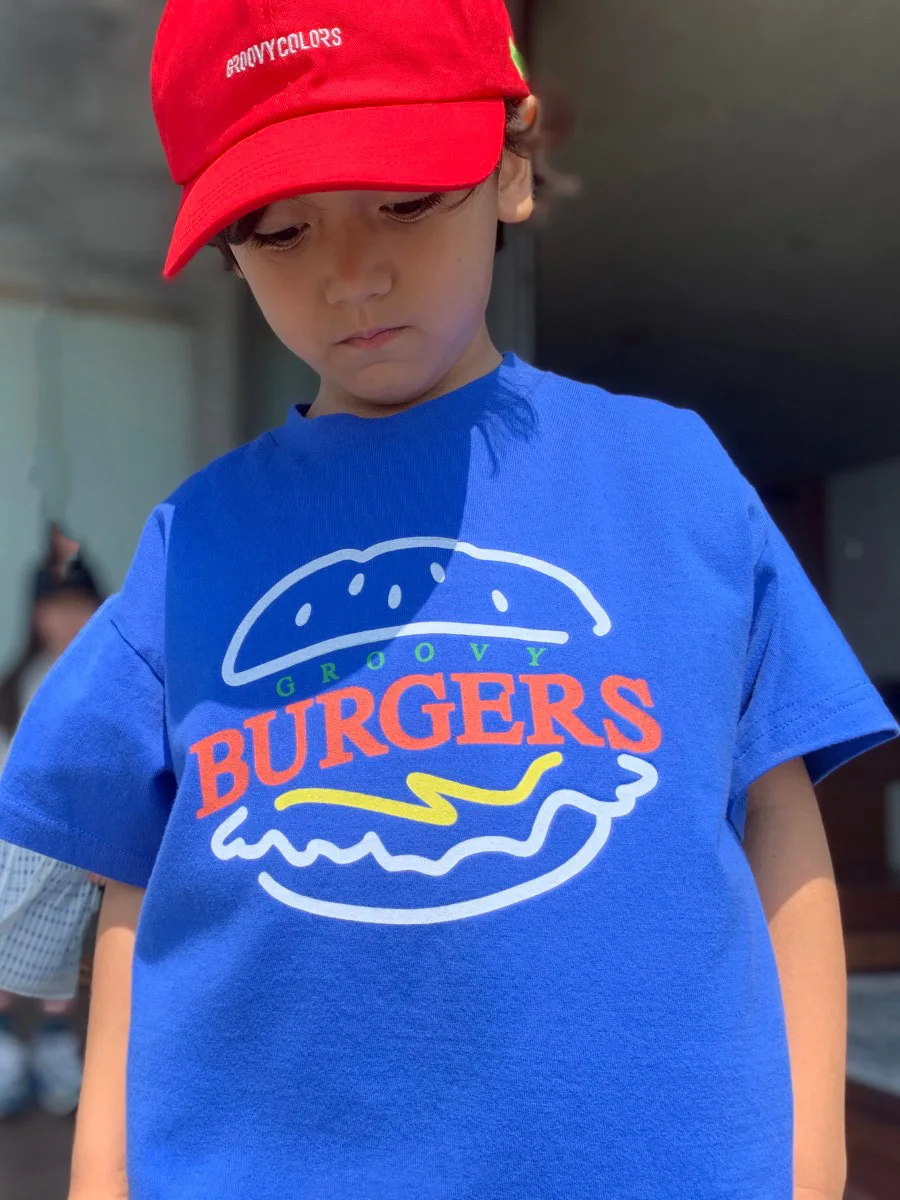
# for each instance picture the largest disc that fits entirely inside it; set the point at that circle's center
(805, 694)
(88, 779)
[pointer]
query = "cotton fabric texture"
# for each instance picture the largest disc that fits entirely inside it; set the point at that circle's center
(45, 906)
(256, 102)
(45, 910)
(430, 738)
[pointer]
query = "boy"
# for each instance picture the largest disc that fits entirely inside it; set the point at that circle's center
(432, 722)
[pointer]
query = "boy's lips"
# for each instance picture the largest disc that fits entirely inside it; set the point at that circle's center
(371, 339)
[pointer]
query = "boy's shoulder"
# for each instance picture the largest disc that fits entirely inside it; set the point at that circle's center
(647, 456)
(243, 468)
(632, 428)
(593, 402)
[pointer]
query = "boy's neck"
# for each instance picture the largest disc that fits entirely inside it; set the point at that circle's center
(479, 359)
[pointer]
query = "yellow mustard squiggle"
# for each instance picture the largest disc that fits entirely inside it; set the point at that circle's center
(431, 790)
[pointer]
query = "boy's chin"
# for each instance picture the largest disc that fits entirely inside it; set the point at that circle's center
(389, 384)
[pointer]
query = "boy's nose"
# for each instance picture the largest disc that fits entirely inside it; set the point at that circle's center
(356, 275)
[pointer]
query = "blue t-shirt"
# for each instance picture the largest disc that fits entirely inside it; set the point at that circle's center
(430, 737)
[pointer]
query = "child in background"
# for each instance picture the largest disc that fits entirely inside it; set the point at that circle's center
(454, 742)
(45, 906)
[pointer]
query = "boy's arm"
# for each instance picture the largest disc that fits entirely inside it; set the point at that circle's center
(788, 853)
(98, 1164)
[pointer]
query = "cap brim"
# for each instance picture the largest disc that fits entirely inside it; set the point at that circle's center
(401, 147)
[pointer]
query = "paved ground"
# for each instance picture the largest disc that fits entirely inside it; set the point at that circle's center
(34, 1153)
(34, 1158)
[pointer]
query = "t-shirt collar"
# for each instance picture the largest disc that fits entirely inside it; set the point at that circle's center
(464, 406)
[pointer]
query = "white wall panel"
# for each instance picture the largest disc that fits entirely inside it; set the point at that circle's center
(96, 427)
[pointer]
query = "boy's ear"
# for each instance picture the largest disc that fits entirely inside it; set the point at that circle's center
(515, 200)
(517, 174)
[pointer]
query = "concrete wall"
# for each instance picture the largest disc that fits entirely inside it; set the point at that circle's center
(86, 206)
(86, 203)
(113, 386)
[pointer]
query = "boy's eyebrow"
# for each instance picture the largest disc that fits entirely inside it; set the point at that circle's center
(290, 203)
(286, 200)
(282, 210)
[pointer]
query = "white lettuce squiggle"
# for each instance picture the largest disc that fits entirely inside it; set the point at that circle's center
(227, 847)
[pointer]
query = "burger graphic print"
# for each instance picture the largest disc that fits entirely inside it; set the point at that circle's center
(445, 738)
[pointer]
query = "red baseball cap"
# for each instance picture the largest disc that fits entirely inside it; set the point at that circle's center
(257, 100)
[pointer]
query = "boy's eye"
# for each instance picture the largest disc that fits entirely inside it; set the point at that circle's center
(410, 210)
(280, 239)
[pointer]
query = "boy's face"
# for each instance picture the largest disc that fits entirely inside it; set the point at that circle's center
(382, 293)
(59, 619)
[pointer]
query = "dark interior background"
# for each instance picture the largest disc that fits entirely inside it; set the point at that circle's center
(736, 245)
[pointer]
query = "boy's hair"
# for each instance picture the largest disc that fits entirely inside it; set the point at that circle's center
(526, 142)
